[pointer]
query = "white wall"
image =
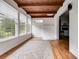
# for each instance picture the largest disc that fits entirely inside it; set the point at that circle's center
(74, 28)
(46, 29)
(73, 41)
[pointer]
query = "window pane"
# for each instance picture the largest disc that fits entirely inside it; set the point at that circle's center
(22, 23)
(29, 25)
(7, 27)
(22, 27)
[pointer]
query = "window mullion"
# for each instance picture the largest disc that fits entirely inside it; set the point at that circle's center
(26, 21)
(17, 29)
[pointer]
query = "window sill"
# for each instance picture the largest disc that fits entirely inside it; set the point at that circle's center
(13, 37)
(9, 38)
(22, 34)
(25, 33)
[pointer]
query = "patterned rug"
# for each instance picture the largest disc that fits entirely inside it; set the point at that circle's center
(33, 50)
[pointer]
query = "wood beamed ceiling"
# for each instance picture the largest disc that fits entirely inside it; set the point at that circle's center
(40, 8)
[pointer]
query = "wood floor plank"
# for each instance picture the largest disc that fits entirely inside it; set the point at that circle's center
(61, 49)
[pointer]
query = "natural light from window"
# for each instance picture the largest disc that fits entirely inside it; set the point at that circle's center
(22, 23)
(7, 26)
(12, 22)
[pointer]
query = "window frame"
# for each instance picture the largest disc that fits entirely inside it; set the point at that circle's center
(24, 24)
(14, 25)
(17, 23)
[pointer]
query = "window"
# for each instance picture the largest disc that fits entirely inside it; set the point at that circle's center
(22, 23)
(10, 24)
(29, 25)
(8, 15)
(7, 27)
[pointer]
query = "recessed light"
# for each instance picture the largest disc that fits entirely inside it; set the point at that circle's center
(49, 14)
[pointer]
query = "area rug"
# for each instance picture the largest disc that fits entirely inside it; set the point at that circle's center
(33, 50)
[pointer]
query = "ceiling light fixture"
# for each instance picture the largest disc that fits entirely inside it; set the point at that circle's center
(49, 14)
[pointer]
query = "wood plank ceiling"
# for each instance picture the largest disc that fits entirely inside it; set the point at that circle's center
(40, 8)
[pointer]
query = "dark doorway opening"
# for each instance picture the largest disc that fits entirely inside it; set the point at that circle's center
(64, 25)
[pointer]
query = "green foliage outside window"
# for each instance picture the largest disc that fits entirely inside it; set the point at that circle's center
(22, 27)
(7, 27)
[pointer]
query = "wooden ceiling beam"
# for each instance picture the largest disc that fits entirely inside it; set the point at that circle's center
(38, 2)
(21, 5)
(41, 12)
(42, 16)
(40, 9)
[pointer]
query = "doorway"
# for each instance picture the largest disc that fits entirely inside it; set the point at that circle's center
(64, 25)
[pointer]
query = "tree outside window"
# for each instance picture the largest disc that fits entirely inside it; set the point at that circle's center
(7, 27)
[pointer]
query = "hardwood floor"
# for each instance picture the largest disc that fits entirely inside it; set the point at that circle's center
(60, 49)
